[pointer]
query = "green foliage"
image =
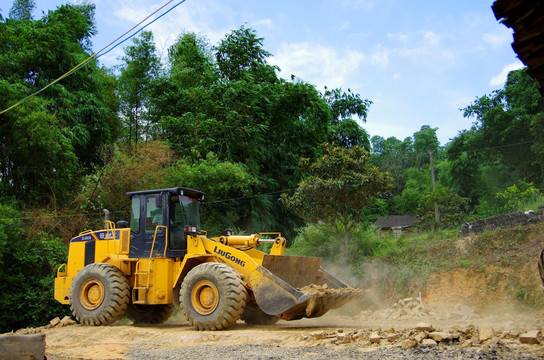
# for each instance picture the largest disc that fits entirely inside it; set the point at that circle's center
(22, 9)
(220, 180)
(28, 264)
(241, 54)
(452, 207)
(516, 195)
(507, 126)
(64, 126)
(425, 142)
(145, 168)
(141, 66)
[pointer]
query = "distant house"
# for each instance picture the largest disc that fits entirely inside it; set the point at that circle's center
(396, 223)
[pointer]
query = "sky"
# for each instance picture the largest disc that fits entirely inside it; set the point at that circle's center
(418, 61)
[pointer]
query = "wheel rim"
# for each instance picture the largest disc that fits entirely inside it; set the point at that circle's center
(91, 294)
(205, 297)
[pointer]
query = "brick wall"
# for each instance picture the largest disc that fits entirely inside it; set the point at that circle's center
(517, 218)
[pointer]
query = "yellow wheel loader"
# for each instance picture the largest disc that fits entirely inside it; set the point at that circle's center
(162, 258)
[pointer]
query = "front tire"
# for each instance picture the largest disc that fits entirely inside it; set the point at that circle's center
(212, 296)
(149, 314)
(99, 294)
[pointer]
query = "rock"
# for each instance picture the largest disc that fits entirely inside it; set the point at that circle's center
(375, 338)
(428, 343)
(420, 337)
(467, 344)
(408, 344)
(55, 321)
(393, 337)
(439, 336)
(67, 321)
(342, 338)
(530, 337)
(318, 334)
(486, 333)
(462, 329)
(421, 326)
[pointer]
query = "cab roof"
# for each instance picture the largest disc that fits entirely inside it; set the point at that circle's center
(177, 191)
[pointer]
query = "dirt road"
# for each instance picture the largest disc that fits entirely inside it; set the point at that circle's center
(456, 333)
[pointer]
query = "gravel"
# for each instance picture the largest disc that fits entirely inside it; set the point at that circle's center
(270, 352)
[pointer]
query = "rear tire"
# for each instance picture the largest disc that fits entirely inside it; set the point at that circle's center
(254, 316)
(212, 296)
(99, 294)
(149, 314)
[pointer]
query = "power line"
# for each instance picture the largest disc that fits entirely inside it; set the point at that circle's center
(495, 147)
(250, 197)
(91, 215)
(96, 54)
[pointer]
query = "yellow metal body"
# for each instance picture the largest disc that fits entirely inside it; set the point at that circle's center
(154, 279)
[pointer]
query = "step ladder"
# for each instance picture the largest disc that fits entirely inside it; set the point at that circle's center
(142, 281)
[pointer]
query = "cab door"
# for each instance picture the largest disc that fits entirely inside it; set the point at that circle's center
(148, 212)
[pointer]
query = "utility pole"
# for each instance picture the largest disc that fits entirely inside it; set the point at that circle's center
(436, 211)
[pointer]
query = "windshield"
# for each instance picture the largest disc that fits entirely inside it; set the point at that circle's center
(191, 212)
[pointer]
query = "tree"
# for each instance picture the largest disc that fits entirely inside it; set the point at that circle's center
(48, 141)
(508, 125)
(141, 67)
(28, 263)
(425, 142)
(453, 208)
(341, 185)
(22, 9)
(343, 130)
(241, 52)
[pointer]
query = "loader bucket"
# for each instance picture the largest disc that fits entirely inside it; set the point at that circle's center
(294, 287)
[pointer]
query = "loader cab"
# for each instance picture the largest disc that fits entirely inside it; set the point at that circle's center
(176, 209)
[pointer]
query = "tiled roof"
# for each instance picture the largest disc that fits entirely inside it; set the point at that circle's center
(526, 18)
(402, 221)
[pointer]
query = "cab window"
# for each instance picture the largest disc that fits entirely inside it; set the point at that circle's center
(153, 214)
(135, 215)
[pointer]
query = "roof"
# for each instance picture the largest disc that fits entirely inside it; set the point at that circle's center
(402, 221)
(526, 18)
(177, 190)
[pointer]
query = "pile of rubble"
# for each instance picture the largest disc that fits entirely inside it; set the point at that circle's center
(56, 322)
(425, 335)
(412, 308)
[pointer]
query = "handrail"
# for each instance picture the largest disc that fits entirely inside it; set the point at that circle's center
(110, 227)
(155, 238)
(61, 272)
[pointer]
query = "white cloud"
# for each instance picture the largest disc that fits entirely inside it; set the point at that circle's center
(264, 22)
(500, 78)
(344, 26)
(431, 38)
(498, 39)
(380, 57)
(399, 36)
(317, 64)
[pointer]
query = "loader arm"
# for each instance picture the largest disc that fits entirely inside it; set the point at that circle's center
(291, 287)
(273, 295)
